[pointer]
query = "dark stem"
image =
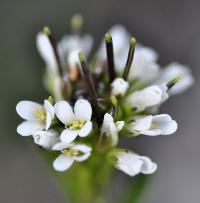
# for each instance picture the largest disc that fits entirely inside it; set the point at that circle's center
(130, 58)
(110, 56)
(88, 82)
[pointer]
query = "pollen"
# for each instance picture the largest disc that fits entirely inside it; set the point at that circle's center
(76, 124)
(154, 126)
(70, 151)
(40, 114)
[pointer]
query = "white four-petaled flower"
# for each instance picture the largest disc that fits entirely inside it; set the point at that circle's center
(70, 153)
(133, 164)
(172, 71)
(77, 122)
(110, 128)
(154, 125)
(147, 97)
(37, 116)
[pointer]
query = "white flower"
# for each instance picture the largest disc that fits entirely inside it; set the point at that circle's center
(71, 45)
(70, 153)
(172, 71)
(144, 66)
(133, 164)
(110, 128)
(147, 97)
(119, 87)
(46, 139)
(154, 125)
(46, 51)
(155, 108)
(121, 40)
(37, 116)
(77, 123)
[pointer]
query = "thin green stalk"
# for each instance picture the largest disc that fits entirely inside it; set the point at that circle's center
(130, 58)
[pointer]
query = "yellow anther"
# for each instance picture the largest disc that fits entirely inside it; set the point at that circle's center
(154, 126)
(41, 114)
(76, 124)
(70, 151)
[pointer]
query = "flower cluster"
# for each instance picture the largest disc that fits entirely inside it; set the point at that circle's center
(91, 109)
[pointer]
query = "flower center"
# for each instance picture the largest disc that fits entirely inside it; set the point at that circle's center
(41, 114)
(70, 151)
(76, 124)
(154, 126)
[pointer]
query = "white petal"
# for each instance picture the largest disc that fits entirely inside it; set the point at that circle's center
(27, 128)
(68, 135)
(114, 136)
(174, 70)
(83, 110)
(152, 132)
(46, 139)
(26, 109)
(46, 51)
(148, 53)
(165, 123)
(48, 120)
(144, 62)
(64, 112)
(110, 129)
(148, 166)
(129, 163)
(49, 108)
(147, 97)
(83, 148)
(74, 42)
(142, 124)
(60, 146)
(82, 157)
(119, 87)
(108, 119)
(119, 125)
(73, 59)
(63, 162)
(86, 129)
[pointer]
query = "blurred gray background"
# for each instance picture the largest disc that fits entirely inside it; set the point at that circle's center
(171, 27)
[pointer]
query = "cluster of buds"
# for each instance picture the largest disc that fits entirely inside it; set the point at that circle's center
(94, 105)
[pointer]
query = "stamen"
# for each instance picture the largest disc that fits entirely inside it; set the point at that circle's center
(76, 124)
(41, 114)
(70, 151)
(110, 56)
(130, 58)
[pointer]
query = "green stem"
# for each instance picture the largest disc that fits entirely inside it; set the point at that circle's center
(130, 58)
(135, 189)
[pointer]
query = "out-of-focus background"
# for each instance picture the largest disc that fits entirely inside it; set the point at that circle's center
(170, 27)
